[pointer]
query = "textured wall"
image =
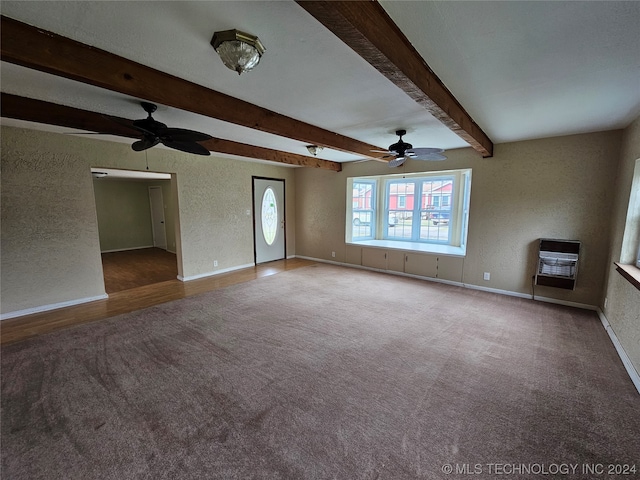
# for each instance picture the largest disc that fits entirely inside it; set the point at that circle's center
(50, 248)
(558, 187)
(623, 299)
(50, 245)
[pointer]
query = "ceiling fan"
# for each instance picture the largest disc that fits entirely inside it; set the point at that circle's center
(401, 151)
(154, 132)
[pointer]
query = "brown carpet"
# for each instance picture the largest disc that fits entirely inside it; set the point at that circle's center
(321, 373)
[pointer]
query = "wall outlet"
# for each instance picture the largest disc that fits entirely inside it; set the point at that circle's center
(606, 301)
(248, 213)
(333, 254)
(487, 276)
(215, 263)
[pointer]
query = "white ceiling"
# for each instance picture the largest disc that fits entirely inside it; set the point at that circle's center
(522, 70)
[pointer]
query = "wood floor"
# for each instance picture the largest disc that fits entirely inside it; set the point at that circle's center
(135, 268)
(16, 329)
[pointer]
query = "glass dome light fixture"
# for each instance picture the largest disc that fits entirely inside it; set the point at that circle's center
(238, 50)
(314, 149)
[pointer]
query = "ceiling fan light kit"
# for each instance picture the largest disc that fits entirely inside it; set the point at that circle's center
(239, 51)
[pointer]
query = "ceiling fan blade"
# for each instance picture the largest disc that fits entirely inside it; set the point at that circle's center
(381, 151)
(396, 162)
(146, 142)
(423, 151)
(128, 124)
(431, 156)
(183, 135)
(189, 147)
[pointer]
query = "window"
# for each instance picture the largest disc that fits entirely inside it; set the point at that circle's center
(629, 264)
(630, 253)
(423, 208)
(363, 215)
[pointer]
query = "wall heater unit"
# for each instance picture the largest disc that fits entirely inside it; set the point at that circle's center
(558, 263)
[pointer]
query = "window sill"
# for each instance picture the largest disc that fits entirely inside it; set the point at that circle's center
(413, 247)
(630, 272)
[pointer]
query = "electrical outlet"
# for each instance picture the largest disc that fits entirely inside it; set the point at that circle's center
(333, 254)
(487, 276)
(215, 263)
(606, 301)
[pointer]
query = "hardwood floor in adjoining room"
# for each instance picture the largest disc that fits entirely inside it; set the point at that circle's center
(135, 268)
(16, 329)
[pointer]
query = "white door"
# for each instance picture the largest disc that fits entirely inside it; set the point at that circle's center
(268, 217)
(157, 217)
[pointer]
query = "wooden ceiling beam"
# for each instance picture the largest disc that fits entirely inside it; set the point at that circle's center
(367, 28)
(21, 108)
(48, 52)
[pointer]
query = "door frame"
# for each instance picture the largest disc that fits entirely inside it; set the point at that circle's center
(253, 210)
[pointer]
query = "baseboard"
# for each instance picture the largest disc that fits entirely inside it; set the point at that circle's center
(126, 249)
(509, 293)
(217, 272)
(626, 361)
(53, 306)
(458, 284)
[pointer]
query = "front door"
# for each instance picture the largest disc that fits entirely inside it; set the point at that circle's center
(268, 217)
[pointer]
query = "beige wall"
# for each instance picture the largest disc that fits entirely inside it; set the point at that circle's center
(559, 188)
(49, 240)
(123, 211)
(623, 299)
(50, 244)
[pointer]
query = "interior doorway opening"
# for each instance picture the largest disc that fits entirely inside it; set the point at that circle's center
(137, 213)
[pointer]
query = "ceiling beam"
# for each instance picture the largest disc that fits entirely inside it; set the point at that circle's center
(48, 52)
(367, 28)
(21, 108)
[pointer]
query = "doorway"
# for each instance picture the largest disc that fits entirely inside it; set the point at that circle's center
(268, 219)
(137, 217)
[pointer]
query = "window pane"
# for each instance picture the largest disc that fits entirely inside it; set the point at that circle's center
(436, 209)
(400, 205)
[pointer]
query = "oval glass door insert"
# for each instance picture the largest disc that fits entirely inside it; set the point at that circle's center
(269, 216)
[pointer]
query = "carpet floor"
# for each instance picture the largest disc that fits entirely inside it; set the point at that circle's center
(322, 372)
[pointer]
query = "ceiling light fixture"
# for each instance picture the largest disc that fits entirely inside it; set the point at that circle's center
(314, 149)
(238, 50)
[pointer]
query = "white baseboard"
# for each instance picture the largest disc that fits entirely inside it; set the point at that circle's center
(53, 306)
(216, 272)
(509, 293)
(126, 249)
(458, 284)
(626, 361)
